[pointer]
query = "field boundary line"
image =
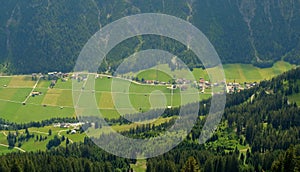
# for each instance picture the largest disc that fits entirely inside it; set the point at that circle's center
(34, 87)
(39, 132)
(22, 150)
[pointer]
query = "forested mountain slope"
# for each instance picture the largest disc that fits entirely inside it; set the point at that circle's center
(259, 131)
(46, 35)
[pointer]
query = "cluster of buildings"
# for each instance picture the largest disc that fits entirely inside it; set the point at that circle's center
(53, 76)
(203, 84)
(75, 126)
(237, 87)
(155, 82)
(57, 75)
(50, 76)
(68, 125)
(79, 77)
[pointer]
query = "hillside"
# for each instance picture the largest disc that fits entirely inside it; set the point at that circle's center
(259, 131)
(47, 35)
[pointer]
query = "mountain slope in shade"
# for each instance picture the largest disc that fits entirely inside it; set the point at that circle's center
(48, 35)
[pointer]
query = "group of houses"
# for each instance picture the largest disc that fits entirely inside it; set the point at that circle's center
(53, 76)
(79, 77)
(49, 76)
(75, 126)
(237, 87)
(57, 75)
(154, 82)
(202, 84)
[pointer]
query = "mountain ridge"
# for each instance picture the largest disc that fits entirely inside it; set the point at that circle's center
(41, 36)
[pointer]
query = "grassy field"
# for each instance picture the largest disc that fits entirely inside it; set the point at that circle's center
(233, 72)
(4, 81)
(14, 91)
(33, 145)
(155, 75)
(21, 81)
(16, 112)
(247, 72)
(58, 102)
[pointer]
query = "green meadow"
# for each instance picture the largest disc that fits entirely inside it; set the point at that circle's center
(155, 75)
(33, 145)
(58, 102)
(247, 72)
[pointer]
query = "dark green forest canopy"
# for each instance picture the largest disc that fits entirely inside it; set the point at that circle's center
(41, 36)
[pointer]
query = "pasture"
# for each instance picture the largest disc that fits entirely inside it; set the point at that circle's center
(51, 103)
(155, 75)
(247, 72)
(35, 145)
(233, 72)
(58, 102)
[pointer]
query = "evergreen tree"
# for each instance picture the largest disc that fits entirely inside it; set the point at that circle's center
(191, 165)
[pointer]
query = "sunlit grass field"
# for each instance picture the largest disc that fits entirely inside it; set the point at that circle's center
(247, 72)
(33, 145)
(154, 75)
(58, 102)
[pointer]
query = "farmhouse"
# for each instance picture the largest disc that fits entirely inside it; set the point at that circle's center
(149, 82)
(202, 80)
(73, 131)
(34, 76)
(35, 93)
